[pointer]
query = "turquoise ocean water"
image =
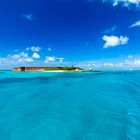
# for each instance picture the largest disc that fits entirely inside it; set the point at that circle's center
(70, 106)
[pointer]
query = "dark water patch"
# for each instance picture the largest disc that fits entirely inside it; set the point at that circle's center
(59, 76)
(42, 94)
(21, 80)
(87, 122)
(5, 133)
(2, 72)
(77, 75)
(87, 116)
(13, 80)
(92, 74)
(67, 84)
(43, 78)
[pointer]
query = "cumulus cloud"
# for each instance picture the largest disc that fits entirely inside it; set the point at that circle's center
(28, 17)
(18, 58)
(24, 60)
(15, 56)
(125, 3)
(113, 41)
(22, 57)
(28, 60)
(136, 24)
(35, 48)
(50, 59)
(36, 55)
(53, 59)
(23, 54)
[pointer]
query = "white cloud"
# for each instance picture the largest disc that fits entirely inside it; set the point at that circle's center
(113, 41)
(23, 54)
(27, 49)
(36, 55)
(28, 60)
(137, 62)
(18, 58)
(53, 59)
(132, 63)
(125, 3)
(130, 56)
(28, 17)
(60, 59)
(49, 59)
(49, 49)
(110, 30)
(27, 57)
(136, 24)
(35, 48)
(15, 56)
(21, 57)
(24, 60)
(108, 64)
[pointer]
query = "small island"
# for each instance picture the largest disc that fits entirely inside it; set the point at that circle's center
(49, 69)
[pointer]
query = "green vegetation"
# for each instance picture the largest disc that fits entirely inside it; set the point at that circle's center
(60, 68)
(68, 68)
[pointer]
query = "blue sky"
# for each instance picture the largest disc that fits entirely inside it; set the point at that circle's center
(87, 33)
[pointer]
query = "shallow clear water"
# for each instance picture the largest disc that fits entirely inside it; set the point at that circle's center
(70, 106)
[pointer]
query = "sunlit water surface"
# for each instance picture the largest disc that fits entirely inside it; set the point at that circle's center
(70, 106)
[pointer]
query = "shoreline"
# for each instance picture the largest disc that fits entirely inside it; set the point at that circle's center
(53, 71)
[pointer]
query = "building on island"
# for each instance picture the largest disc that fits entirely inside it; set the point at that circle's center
(30, 69)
